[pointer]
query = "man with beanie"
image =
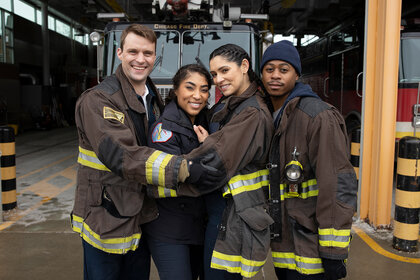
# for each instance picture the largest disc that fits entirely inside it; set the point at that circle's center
(312, 182)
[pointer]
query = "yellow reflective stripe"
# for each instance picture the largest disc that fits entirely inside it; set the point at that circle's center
(165, 192)
(309, 183)
(248, 182)
(155, 167)
(331, 237)
(308, 194)
(236, 264)
(90, 159)
(309, 189)
(282, 191)
(226, 191)
(149, 166)
(111, 245)
(303, 265)
(163, 165)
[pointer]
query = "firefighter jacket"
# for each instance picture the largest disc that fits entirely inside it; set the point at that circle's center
(241, 144)
(315, 213)
(114, 163)
(181, 218)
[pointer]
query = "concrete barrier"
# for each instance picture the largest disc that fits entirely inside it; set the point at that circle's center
(8, 168)
(407, 195)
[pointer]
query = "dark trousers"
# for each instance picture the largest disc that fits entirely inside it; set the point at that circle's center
(99, 265)
(215, 205)
(176, 261)
(288, 274)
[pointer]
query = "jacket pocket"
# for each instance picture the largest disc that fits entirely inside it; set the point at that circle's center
(256, 218)
(246, 238)
(94, 193)
(304, 217)
(127, 200)
(304, 231)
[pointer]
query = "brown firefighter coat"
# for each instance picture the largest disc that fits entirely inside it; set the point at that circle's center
(114, 163)
(315, 214)
(241, 145)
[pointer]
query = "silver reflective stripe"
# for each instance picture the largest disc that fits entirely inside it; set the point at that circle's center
(299, 264)
(90, 159)
(167, 192)
(308, 188)
(249, 182)
(282, 190)
(77, 225)
(235, 266)
(226, 191)
(156, 167)
(304, 265)
(119, 246)
(115, 245)
(334, 238)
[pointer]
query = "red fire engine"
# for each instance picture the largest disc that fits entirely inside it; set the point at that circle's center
(333, 67)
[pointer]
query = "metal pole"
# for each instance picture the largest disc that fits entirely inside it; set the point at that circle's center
(379, 111)
(45, 44)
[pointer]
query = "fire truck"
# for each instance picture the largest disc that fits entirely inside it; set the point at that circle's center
(184, 37)
(333, 67)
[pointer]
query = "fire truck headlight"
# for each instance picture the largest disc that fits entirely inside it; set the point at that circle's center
(95, 36)
(293, 172)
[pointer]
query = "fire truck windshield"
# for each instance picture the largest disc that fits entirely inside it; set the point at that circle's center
(202, 43)
(409, 70)
(195, 47)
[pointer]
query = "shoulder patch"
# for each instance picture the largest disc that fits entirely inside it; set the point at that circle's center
(312, 106)
(160, 135)
(110, 113)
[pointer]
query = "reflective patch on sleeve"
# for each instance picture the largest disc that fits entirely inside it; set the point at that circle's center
(160, 135)
(112, 114)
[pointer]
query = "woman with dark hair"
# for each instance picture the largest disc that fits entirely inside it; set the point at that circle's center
(241, 129)
(175, 237)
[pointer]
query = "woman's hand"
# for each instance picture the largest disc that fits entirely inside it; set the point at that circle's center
(201, 133)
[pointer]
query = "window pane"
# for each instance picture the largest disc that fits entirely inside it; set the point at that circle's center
(202, 43)
(409, 58)
(78, 35)
(24, 10)
(62, 28)
(5, 4)
(8, 20)
(51, 23)
(38, 17)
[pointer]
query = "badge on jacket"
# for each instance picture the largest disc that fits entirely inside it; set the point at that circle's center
(160, 135)
(112, 114)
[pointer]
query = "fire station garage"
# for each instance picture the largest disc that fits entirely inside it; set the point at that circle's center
(360, 56)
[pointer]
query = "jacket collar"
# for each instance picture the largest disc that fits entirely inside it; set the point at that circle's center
(300, 90)
(176, 120)
(231, 102)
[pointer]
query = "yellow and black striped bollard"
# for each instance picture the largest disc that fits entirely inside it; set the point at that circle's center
(8, 167)
(355, 151)
(407, 195)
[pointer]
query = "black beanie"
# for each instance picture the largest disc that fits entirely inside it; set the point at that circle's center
(283, 50)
